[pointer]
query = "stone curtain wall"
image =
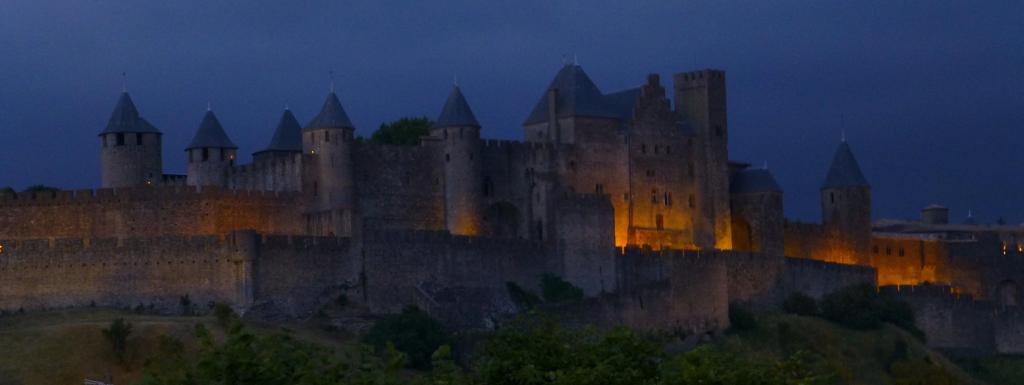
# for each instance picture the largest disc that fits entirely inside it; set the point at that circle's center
(399, 187)
(157, 272)
(147, 212)
(460, 280)
(295, 275)
(818, 278)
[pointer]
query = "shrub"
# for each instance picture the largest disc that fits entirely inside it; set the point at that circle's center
(522, 298)
(187, 307)
(117, 335)
(741, 318)
(411, 332)
(861, 307)
(556, 290)
(342, 300)
(226, 316)
(800, 304)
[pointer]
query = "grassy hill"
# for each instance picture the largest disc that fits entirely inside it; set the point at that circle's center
(64, 347)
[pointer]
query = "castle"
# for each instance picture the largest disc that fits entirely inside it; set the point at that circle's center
(630, 196)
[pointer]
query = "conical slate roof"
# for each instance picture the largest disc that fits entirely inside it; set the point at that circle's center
(125, 118)
(577, 96)
(456, 112)
(210, 134)
(331, 115)
(287, 136)
(754, 181)
(844, 171)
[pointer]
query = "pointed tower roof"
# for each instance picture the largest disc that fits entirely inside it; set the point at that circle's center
(754, 181)
(287, 136)
(577, 96)
(332, 115)
(210, 134)
(125, 118)
(844, 171)
(456, 112)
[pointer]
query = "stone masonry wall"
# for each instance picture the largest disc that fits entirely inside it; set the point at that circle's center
(147, 212)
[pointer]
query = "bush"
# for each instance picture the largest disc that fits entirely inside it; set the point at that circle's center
(117, 335)
(861, 307)
(226, 316)
(741, 318)
(556, 290)
(412, 332)
(800, 304)
(187, 307)
(523, 299)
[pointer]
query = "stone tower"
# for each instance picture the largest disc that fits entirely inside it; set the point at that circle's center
(210, 155)
(756, 209)
(459, 132)
(846, 207)
(130, 152)
(701, 102)
(329, 139)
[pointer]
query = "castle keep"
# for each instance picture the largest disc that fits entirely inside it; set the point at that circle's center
(629, 195)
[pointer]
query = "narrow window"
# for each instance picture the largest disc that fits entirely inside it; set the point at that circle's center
(316, 188)
(832, 197)
(900, 251)
(668, 199)
(659, 222)
(625, 196)
(327, 136)
(643, 148)
(446, 133)
(668, 150)
(206, 154)
(654, 196)
(656, 148)
(599, 188)
(691, 201)
(718, 130)
(447, 157)
(120, 139)
(222, 154)
(888, 250)
(138, 139)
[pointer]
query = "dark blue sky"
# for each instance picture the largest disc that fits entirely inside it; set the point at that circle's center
(932, 91)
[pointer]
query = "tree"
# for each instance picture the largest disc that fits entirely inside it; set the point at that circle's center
(117, 334)
(6, 191)
(40, 188)
(555, 289)
(404, 131)
(411, 332)
(800, 304)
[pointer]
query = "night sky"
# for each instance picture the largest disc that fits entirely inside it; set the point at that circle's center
(932, 91)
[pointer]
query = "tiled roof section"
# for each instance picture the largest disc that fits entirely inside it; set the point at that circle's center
(456, 112)
(623, 102)
(210, 134)
(332, 115)
(125, 118)
(844, 171)
(753, 181)
(287, 136)
(577, 96)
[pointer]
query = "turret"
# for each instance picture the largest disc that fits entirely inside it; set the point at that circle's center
(756, 209)
(458, 130)
(210, 155)
(286, 142)
(701, 103)
(329, 139)
(130, 152)
(846, 204)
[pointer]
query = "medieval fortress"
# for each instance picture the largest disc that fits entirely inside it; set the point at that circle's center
(629, 195)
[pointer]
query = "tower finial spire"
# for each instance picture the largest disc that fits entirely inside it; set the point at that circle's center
(124, 82)
(209, 106)
(766, 164)
(575, 59)
(455, 79)
(842, 127)
(331, 75)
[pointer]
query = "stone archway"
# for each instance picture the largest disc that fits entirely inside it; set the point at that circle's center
(502, 220)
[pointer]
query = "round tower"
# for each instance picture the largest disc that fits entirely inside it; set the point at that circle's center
(130, 148)
(459, 132)
(846, 205)
(210, 155)
(329, 139)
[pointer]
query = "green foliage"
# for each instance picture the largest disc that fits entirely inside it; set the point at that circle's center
(861, 307)
(557, 290)
(342, 300)
(800, 304)
(523, 299)
(411, 332)
(405, 131)
(542, 352)
(117, 335)
(920, 372)
(36, 188)
(226, 316)
(741, 318)
(707, 365)
(251, 359)
(6, 190)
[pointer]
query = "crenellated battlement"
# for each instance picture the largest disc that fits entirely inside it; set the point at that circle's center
(443, 237)
(121, 195)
